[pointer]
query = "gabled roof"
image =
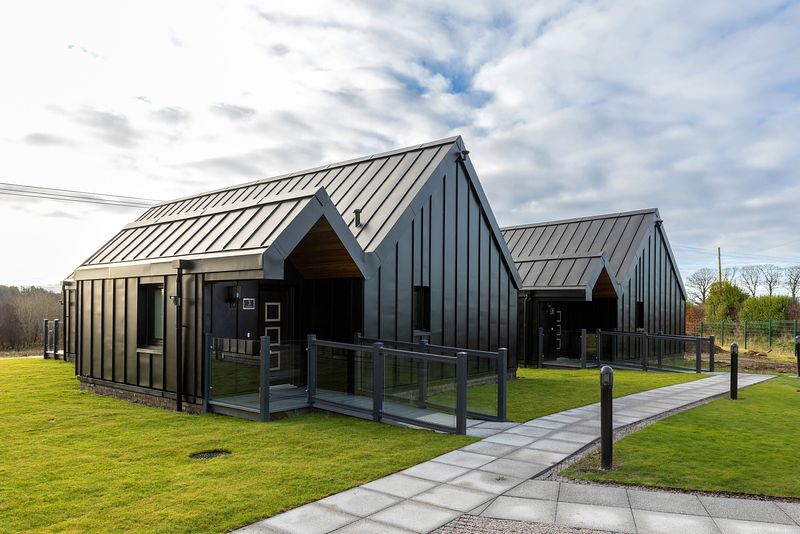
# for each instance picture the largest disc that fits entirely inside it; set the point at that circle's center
(381, 185)
(247, 219)
(563, 253)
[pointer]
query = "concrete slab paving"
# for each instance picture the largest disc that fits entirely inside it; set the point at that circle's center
(505, 507)
(592, 494)
(515, 468)
(400, 485)
(488, 482)
(368, 526)
(462, 458)
(745, 509)
(492, 478)
(792, 509)
(438, 472)
(546, 490)
(649, 522)
(309, 519)
(615, 519)
(665, 501)
(415, 516)
(454, 497)
(737, 526)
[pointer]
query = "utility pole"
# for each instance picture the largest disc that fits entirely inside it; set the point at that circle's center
(719, 263)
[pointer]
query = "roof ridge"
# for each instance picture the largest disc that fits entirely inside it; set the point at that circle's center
(328, 166)
(581, 219)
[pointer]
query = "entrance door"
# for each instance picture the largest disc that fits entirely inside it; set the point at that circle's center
(553, 325)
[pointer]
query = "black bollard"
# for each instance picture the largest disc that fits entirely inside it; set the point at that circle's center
(606, 417)
(734, 371)
(797, 353)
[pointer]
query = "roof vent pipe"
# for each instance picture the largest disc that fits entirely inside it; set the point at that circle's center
(357, 213)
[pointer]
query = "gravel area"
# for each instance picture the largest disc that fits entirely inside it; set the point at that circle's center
(473, 524)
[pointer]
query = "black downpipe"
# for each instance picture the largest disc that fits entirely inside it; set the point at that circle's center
(179, 341)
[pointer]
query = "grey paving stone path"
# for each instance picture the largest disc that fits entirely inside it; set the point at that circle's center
(493, 478)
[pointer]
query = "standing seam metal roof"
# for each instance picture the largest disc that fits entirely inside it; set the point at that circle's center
(249, 216)
(565, 253)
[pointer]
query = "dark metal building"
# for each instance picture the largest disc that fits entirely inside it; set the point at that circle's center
(392, 245)
(614, 271)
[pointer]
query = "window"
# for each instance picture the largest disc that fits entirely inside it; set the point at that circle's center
(151, 314)
(639, 315)
(421, 302)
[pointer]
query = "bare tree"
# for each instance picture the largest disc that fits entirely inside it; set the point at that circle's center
(792, 280)
(730, 274)
(773, 276)
(700, 282)
(751, 278)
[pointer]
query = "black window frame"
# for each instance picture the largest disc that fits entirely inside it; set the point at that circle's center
(421, 309)
(149, 294)
(639, 315)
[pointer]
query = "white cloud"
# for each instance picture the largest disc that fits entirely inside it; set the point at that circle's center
(569, 108)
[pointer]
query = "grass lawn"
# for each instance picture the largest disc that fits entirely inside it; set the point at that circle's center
(539, 392)
(745, 446)
(72, 461)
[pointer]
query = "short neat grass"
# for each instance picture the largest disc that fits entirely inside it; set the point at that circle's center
(745, 446)
(539, 392)
(72, 461)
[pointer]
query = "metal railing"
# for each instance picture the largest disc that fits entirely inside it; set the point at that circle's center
(641, 350)
(51, 337)
(368, 394)
(647, 350)
(485, 370)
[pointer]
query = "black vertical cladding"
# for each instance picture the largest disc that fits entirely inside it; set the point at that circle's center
(448, 245)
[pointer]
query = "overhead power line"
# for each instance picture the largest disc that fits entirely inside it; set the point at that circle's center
(71, 195)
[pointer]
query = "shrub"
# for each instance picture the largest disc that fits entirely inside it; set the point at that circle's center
(724, 301)
(765, 308)
(694, 312)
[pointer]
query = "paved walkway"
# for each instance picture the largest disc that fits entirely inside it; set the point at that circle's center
(492, 477)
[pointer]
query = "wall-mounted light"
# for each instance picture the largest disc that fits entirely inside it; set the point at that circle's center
(357, 213)
(176, 300)
(233, 294)
(464, 154)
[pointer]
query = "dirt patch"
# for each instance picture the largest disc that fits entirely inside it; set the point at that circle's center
(753, 361)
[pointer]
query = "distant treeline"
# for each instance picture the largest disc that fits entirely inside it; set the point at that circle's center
(22, 310)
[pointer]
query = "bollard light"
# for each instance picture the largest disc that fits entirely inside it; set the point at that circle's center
(734, 371)
(606, 417)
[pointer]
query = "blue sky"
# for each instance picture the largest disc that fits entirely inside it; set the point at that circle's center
(568, 109)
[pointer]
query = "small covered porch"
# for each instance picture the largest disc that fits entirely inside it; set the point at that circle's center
(560, 298)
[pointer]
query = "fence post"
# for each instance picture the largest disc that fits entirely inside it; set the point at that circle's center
(734, 371)
(502, 382)
(311, 380)
(263, 391)
(583, 348)
(598, 341)
(698, 354)
(422, 374)
(377, 380)
(711, 349)
(613, 345)
(55, 339)
(646, 351)
(769, 332)
(44, 343)
(723, 332)
(701, 328)
(461, 393)
(207, 371)
(745, 334)
(541, 347)
(660, 349)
